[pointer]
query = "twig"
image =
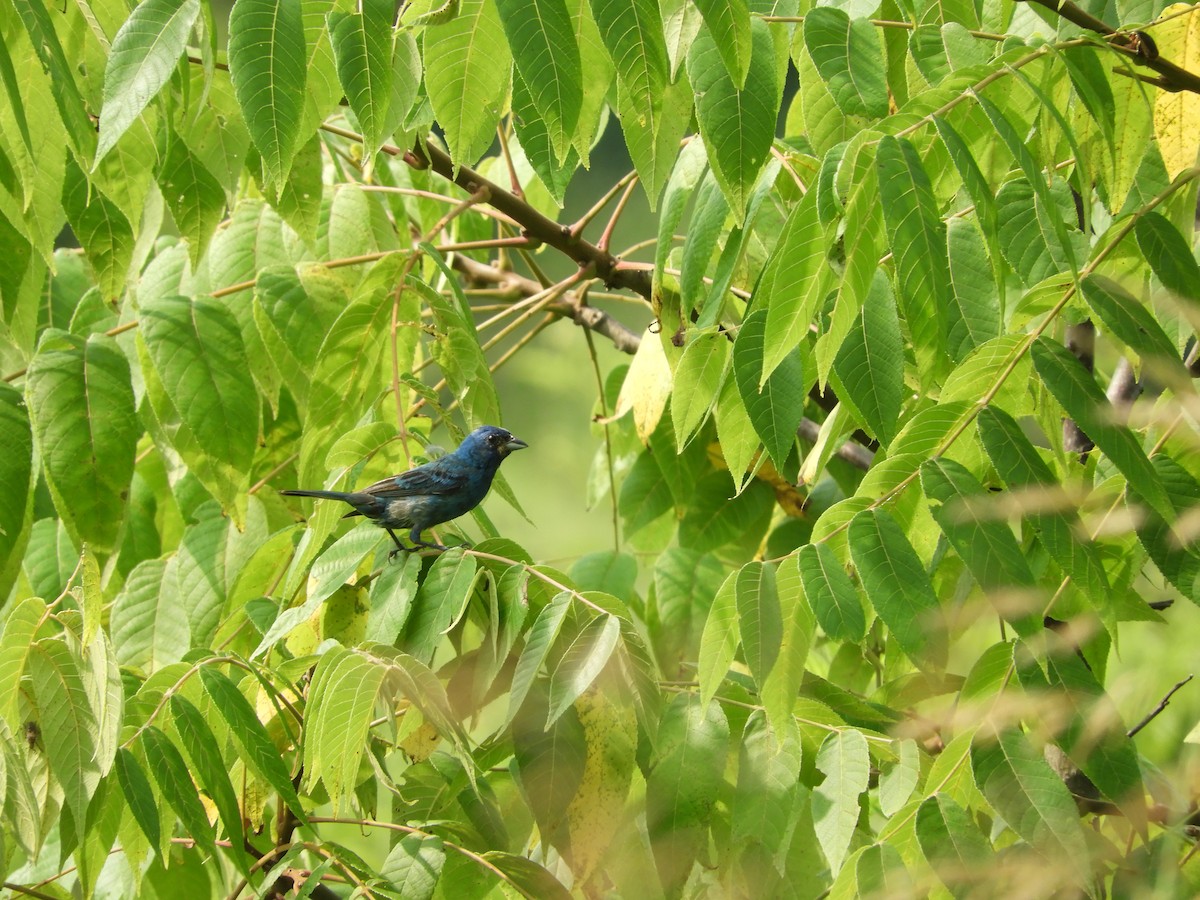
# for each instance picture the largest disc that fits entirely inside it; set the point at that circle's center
(1162, 704)
(622, 337)
(1135, 45)
(582, 222)
(606, 237)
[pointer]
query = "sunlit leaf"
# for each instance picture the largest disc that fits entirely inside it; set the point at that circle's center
(81, 402)
(845, 763)
(267, 64)
(144, 53)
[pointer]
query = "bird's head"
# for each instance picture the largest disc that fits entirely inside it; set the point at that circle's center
(490, 441)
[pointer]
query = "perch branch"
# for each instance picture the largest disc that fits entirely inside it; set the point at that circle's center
(1162, 704)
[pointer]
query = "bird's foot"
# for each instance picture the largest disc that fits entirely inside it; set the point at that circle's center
(426, 545)
(466, 545)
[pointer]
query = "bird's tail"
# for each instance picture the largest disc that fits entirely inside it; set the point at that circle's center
(327, 495)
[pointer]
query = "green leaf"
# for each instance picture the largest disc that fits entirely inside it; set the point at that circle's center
(413, 679)
(699, 375)
(200, 745)
(332, 569)
(392, 596)
(974, 318)
(550, 757)
(22, 807)
(793, 284)
(538, 642)
(362, 47)
(775, 406)
(1020, 466)
(143, 55)
(715, 519)
(16, 487)
(737, 125)
(896, 783)
(1179, 562)
(254, 744)
(719, 642)
(82, 405)
(149, 627)
(682, 21)
(1032, 233)
(175, 784)
(917, 237)
(831, 594)
(1073, 386)
(414, 866)
(972, 177)
(138, 795)
(287, 306)
(542, 39)
(896, 584)
(67, 723)
(16, 645)
(35, 16)
(645, 494)
(606, 570)
(1129, 321)
(654, 113)
(759, 620)
(1169, 255)
(633, 35)
(267, 64)
(1034, 802)
(193, 194)
(1094, 737)
(848, 55)
(693, 740)
(870, 364)
(731, 20)
(782, 685)
(535, 141)
(528, 877)
(195, 363)
(584, 657)
(766, 784)
(443, 596)
(985, 543)
(689, 170)
(952, 843)
(710, 209)
(341, 703)
(102, 229)
(846, 764)
(467, 65)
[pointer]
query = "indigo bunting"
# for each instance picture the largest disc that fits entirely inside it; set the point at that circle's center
(436, 492)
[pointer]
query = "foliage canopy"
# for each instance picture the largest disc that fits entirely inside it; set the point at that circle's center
(908, 436)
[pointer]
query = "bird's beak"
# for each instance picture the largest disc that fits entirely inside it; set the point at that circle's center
(515, 444)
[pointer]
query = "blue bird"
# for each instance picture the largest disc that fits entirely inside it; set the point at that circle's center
(434, 493)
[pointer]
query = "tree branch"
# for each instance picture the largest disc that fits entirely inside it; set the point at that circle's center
(568, 306)
(1137, 45)
(1162, 704)
(536, 225)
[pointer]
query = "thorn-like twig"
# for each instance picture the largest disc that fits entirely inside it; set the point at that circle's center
(1162, 704)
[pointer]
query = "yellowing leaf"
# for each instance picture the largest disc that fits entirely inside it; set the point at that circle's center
(594, 814)
(647, 386)
(1177, 114)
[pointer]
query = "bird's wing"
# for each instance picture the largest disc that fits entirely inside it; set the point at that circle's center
(429, 479)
